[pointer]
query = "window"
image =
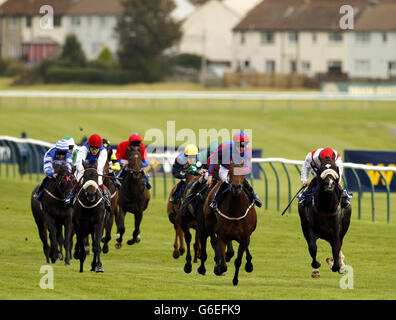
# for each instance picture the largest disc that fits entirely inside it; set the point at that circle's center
(267, 37)
(392, 68)
(57, 21)
(362, 66)
(28, 21)
(293, 66)
(270, 66)
(362, 37)
(293, 37)
(335, 37)
(384, 37)
(13, 23)
(242, 37)
(305, 66)
(334, 67)
(314, 37)
(75, 20)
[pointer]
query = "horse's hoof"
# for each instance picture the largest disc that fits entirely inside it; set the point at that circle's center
(176, 254)
(181, 251)
(202, 270)
(131, 242)
(249, 267)
(342, 270)
(330, 262)
(105, 248)
(138, 238)
(187, 268)
(235, 282)
(315, 273)
(99, 269)
(118, 245)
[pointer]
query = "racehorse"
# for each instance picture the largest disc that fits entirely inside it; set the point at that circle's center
(133, 197)
(114, 202)
(89, 217)
(50, 214)
(324, 218)
(234, 219)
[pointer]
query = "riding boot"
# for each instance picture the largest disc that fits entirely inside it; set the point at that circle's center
(106, 198)
(148, 184)
(250, 192)
(69, 201)
(307, 193)
(39, 193)
(176, 194)
(344, 197)
(120, 176)
(219, 196)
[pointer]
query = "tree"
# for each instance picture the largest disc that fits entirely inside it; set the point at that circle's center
(145, 31)
(72, 53)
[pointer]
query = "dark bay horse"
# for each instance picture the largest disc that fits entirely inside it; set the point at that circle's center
(89, 217)
(133, 197)
(324, 218)
(234, 219)
(114, 202)
(51, 215)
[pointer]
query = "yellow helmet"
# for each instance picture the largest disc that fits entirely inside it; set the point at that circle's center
(191, 150)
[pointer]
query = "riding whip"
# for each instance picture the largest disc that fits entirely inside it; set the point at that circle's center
(292, 200)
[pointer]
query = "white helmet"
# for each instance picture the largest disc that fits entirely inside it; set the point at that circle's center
(69, 140)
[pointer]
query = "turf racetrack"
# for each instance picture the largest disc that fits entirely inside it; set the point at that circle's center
(147, 270)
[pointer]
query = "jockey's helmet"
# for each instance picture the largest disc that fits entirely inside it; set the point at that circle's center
(61, 147)
(191, 150)
(95, 141)
(327, 152)
(70, 141)
(135, 137)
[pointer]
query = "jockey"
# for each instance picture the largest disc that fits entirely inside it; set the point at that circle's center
(122, 154)
(312, 163)
(236, 150)
(92, 151)
(114, 163)
(72, 149)
(57, 155)
(179, 169)
(200, 167)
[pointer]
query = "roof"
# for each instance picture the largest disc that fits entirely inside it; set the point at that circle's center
(32, 7)
(314, 15)
(88, 7)
(377, 18)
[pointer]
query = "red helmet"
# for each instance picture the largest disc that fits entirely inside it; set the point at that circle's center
(240, 137)
(95, 141)
(135, 137)
(327, 152)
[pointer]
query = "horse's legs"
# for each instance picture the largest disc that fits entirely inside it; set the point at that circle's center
(249, 264)
(230, 251)
(108, 227)
(238, 261)
(68, 238)
(187, 237)
(120, 218)
(81, 251)
(53, 238)
(197, 247)
(60, 240)
(180, 235)
(136, 231)
(336, 249)
(312, 247)
(221, 266)
(203, 256)
(42, 229)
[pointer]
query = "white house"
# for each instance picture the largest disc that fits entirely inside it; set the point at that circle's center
(208, 30)
(305, 37)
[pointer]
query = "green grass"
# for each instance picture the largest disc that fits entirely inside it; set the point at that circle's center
(147, 270)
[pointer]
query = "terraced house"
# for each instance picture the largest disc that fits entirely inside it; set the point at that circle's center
(304, 36)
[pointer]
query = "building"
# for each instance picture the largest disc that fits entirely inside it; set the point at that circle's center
(304, 36)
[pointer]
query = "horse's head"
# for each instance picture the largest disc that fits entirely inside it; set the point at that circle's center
(90, 181)
(135, 162)
(236, 178)
(64, 180)
(328, 175)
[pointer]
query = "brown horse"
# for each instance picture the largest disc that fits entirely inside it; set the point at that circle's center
(133, 197)
(114, 202)
(175, 219)
(234, 219)
(51, 215)
(89, 217)
(324, 218)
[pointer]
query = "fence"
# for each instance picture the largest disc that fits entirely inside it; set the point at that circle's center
(11, 159)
